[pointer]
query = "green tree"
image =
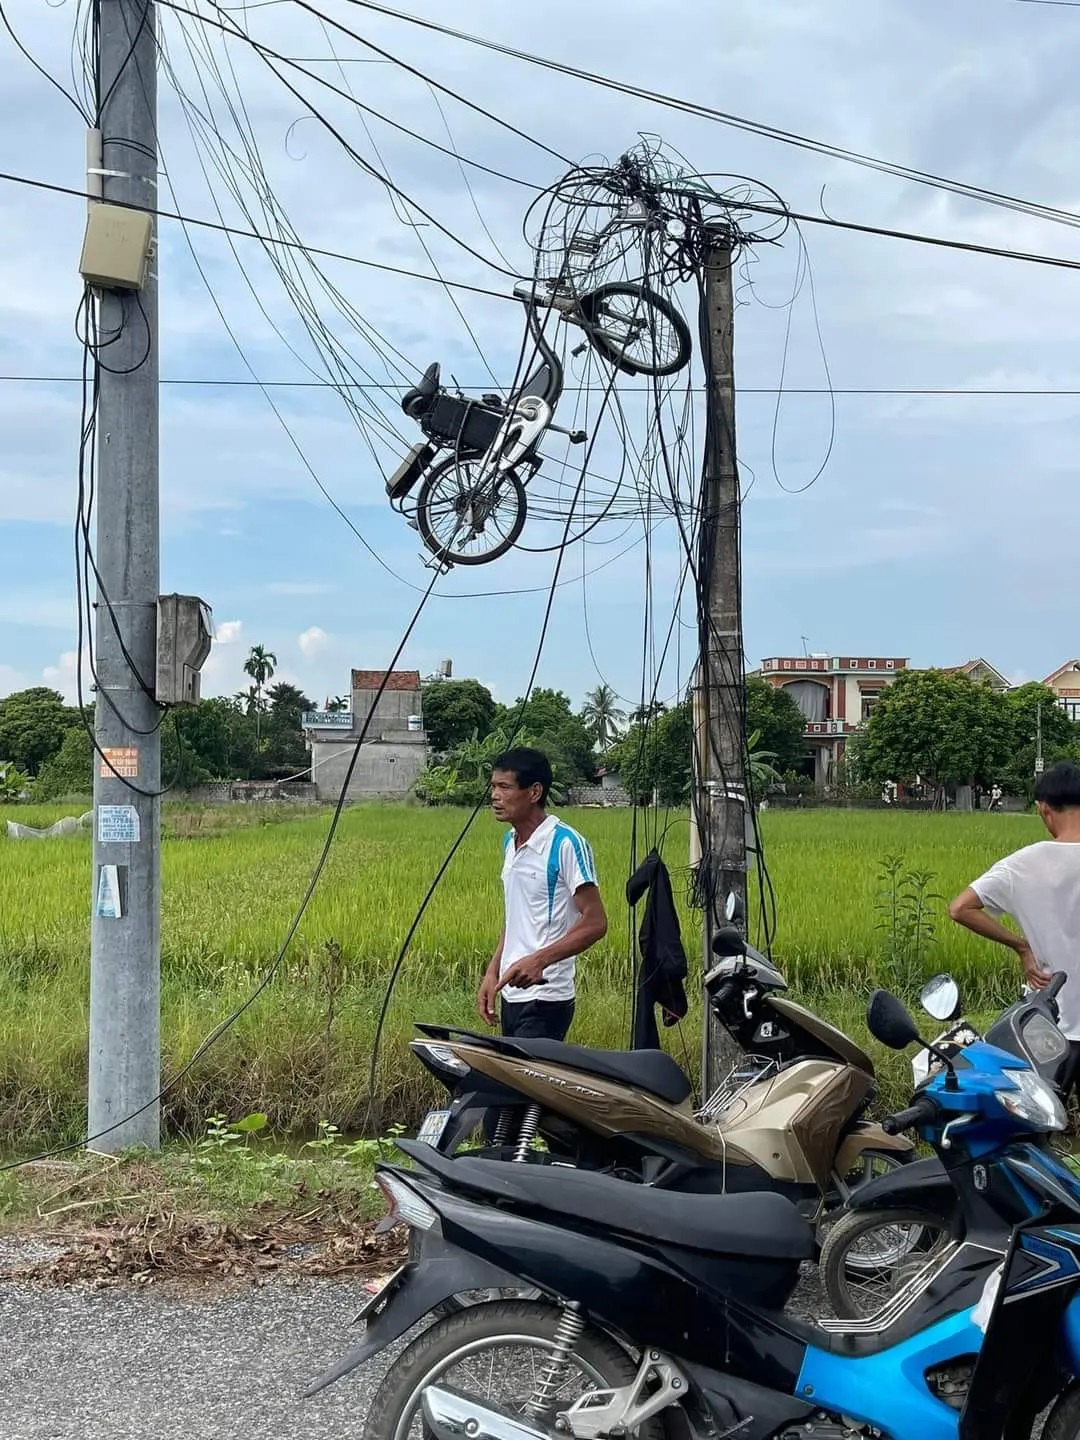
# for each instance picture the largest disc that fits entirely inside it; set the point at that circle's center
(1059, 735)
(562, 735)
(454, 710)
(943, 728)
(32, 726)
(70, 771)
(286, 749)
(602, 715)
(780, 724)
(260, 665)
(463, 777)
(656, 758)
(761, 768)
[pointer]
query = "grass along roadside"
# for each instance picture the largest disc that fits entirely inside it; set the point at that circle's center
(229, 1208)
(301, 1054)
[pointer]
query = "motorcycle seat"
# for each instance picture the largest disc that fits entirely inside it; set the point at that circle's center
(415, 401)
(651, 1070)
(758, 1225)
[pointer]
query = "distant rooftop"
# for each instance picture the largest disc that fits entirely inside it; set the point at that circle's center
(399, 679)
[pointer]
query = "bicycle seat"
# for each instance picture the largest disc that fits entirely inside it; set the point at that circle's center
(415, 401)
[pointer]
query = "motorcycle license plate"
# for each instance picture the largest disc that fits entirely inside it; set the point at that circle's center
(381, 1291)
(431, 1131)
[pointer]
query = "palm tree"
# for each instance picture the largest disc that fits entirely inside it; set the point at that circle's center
(337, 705)
(260, 665)
(602, 716)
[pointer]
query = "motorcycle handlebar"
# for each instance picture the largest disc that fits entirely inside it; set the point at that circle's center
(724, 991)
(924, 1109)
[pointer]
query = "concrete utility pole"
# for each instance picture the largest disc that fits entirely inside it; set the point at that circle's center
(1039, 763)
(125, 944)
(721, 791)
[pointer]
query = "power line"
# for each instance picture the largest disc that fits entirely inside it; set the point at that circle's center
(55, 189)
(943, 391)
(738, 122)
(1030, 257)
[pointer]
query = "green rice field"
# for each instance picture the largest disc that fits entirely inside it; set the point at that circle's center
(232, 879)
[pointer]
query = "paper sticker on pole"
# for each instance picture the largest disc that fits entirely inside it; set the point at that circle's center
(118, 824)
(122, 761)
(109, 905)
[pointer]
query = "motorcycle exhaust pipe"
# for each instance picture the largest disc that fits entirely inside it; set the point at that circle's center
(449, 1415)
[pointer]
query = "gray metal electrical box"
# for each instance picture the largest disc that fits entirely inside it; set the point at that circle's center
(184, 633)
(116, 247)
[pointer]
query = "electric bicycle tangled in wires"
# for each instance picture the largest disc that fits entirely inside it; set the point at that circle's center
(471, 505)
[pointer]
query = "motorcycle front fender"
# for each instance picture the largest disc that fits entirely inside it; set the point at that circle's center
(443, 1271)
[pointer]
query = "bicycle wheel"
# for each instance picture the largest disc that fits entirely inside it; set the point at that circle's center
(636, 330)
(466, 517)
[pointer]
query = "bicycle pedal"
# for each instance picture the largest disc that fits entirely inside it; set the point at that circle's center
(578, 437)
(580, 349)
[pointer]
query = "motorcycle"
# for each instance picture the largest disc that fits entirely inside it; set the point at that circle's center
(776, 1123)
(888, 1231)
(789, 1115)
(662, 1317)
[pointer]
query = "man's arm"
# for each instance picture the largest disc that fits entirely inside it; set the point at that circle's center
(489, 986)
(968, 910)
(590, 926)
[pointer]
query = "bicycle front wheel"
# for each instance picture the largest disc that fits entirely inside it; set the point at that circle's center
(468, 517)
(636, 330)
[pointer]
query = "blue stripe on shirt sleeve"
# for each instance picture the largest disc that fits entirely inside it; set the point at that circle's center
(581, 851)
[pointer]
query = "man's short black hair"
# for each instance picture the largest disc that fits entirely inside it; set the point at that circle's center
(1059, 787)
(528, 767)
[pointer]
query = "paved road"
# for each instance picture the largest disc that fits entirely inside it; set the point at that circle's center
(138, 1366)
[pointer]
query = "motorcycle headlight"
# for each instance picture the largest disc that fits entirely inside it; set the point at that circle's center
(1033, 1101)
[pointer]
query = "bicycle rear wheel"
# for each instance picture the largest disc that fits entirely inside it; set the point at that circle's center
(467, 517)
(636, 330)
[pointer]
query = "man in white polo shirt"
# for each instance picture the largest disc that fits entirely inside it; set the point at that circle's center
(553, 909)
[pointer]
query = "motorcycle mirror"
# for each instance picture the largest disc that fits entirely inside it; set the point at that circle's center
(728, 941)
(888, 1021)
(940, 997)
(734, 909)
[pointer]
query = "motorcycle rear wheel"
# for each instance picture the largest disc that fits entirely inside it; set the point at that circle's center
(456, 1339)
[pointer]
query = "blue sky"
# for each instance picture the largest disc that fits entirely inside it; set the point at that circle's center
(941, 526)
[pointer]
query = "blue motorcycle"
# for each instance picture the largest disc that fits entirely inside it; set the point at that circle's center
(662, 1313)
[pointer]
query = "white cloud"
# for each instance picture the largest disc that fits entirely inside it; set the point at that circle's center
(313, 641)
(228, 632)
(63, 676)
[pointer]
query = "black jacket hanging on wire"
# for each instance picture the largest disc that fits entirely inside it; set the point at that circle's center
(662, 970)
